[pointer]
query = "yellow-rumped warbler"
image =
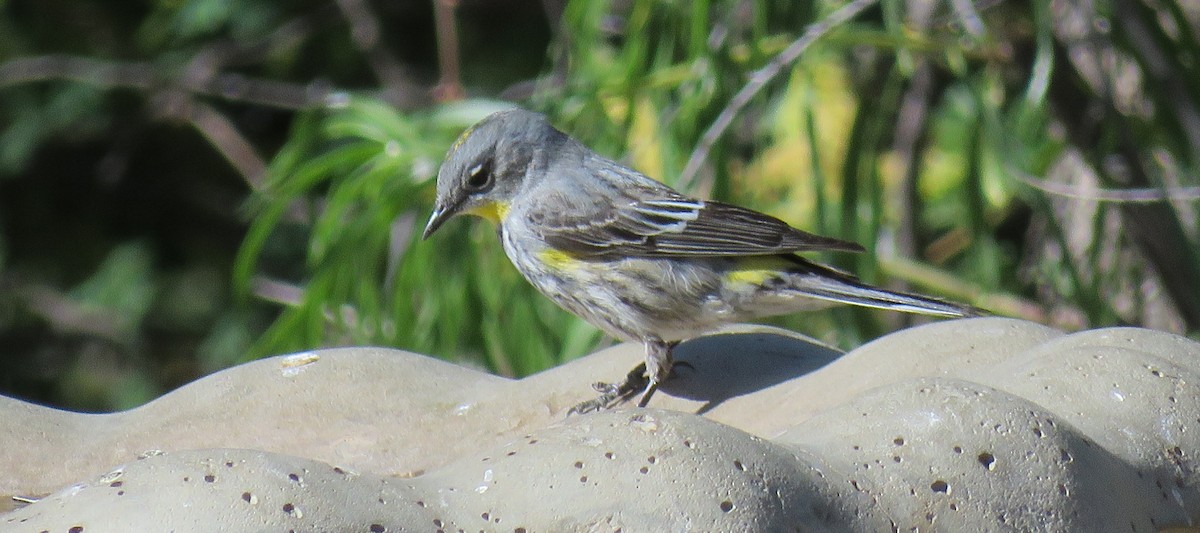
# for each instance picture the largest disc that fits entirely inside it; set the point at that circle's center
(632, 256)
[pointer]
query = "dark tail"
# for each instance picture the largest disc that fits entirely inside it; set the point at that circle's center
(825, 283)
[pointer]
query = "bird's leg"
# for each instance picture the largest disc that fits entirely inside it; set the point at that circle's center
(644, 377)
(659, 364)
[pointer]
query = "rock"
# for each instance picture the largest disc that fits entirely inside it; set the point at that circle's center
(969, 425)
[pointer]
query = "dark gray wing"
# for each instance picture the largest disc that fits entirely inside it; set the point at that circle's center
(672, 226)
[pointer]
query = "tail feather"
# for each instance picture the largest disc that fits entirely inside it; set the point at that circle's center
(867, 296)
(832, 285)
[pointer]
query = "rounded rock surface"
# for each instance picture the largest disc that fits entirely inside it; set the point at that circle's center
(981, 425)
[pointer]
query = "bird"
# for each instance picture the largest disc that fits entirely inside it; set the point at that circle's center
(633, 257)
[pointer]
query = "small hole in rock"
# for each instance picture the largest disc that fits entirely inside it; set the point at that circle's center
(643, 470)
(378, 528)
(578, 464)
(898, 441)
(437, 522)
(1062, 489)
(738, 464)
(246, 496)
(958, 449)
(609, 455)
(116, 484)
(289, 508)
(651, 459)
(726, 506)
(294, 477)
(120, 493)
(688, 443)
(210, 478)
(987, 460)
(76, 529)
(583, 479)
(1066, 456)
(519, 530)
(940, 486)
(896, 459)
(485, 517)
(229, 464)
(510, 454)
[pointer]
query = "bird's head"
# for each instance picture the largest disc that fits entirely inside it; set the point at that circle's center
(490, 163)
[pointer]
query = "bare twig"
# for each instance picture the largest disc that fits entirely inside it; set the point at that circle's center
(174, 96)
(561, 65)
(67, 315)
(909, 141)
(225, 137)
(277, 291)
(365, 33)
(147, 76)
(1097, 194)
(449, 87)
(759, 79)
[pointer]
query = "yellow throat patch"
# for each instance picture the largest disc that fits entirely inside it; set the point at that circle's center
(493, 211)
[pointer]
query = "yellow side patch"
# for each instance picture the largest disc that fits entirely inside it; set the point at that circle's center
(756, 270)
(493, 211)
(558, 259)
(749, 277)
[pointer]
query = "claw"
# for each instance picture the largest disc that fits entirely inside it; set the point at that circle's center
(612, 393)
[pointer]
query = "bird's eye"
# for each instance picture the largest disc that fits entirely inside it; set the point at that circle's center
(479, 177)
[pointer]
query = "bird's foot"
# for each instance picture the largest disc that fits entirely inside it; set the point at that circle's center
(613, 393)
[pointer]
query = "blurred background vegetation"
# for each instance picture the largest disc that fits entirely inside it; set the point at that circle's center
(189, 184)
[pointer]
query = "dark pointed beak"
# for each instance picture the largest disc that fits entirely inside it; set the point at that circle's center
(439, 216)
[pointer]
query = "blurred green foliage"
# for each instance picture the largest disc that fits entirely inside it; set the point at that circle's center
(1036, 159)
(363, 172)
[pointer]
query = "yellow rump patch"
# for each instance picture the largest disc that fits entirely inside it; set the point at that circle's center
(757, 270)
(493, 211)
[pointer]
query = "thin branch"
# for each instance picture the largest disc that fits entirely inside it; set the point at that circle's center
(365, 33)
(147, 76)
(449, 87)
(275, 291)
(1097, 194)
(67, 315)
(225, 137)
(759, 79)
(909, 141)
